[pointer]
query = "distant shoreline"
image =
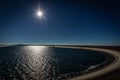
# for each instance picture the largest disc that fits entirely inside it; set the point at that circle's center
(108, 68)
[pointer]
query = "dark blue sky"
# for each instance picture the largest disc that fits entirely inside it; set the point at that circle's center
(85, 22)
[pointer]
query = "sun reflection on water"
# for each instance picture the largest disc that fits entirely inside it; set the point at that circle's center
(37, 49)
(36, 60)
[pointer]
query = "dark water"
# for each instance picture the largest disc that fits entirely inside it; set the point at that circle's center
(46, 63)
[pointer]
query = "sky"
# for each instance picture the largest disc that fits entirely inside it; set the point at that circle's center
(81, 22)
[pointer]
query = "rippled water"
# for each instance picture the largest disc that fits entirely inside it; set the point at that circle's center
(46, 63)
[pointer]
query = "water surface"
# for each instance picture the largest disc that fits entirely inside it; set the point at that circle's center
(47, 63)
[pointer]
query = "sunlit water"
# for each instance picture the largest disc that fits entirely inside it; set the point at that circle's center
(47, 63)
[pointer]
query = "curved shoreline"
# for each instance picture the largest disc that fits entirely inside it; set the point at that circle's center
(108, 68)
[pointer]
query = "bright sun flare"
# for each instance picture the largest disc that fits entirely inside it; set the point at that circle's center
(39, 13)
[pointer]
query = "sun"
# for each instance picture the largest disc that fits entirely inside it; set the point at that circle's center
(39, 13)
